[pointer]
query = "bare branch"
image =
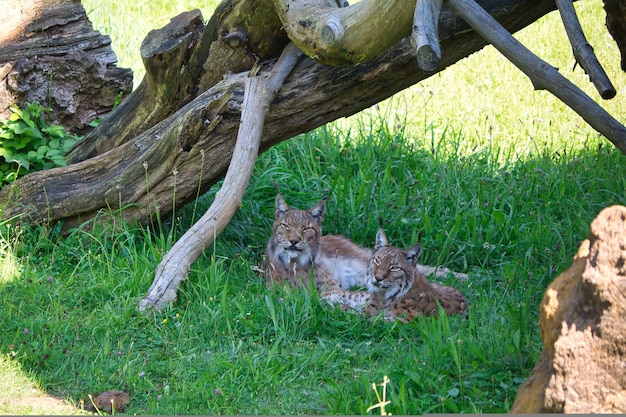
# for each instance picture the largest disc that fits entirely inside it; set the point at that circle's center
(583, 51)
(175, 265)
(424, 37)
(541, 74)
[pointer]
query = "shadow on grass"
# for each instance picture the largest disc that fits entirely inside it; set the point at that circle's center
(229, 345)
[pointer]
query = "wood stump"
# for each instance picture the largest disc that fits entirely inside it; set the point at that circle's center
(49, 53)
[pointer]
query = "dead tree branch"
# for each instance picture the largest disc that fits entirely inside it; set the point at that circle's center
(541, 74)
(424, 36)
(583, 51)
(258, 94)
(337, 36)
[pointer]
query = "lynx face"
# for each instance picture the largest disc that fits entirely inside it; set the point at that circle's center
(397, 287)
(391, 271)
(295, 234)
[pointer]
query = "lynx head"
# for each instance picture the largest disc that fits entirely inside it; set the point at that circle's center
(296, 233)
(391, 270)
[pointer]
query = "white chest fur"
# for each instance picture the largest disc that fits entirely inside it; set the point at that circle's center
(347, 272)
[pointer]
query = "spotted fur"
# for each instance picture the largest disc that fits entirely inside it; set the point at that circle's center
(297, 251)
(397, 289)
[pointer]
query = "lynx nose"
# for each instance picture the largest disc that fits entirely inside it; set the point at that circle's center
(294, 242)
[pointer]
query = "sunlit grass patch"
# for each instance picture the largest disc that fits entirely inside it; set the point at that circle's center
(10, 266)
(502, 183)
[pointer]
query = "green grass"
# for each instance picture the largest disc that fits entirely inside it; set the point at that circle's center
(502, 180)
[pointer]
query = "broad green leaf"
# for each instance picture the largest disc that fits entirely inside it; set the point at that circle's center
(6, 153)
(16, 114)
(6, 134)
(56, 131)
(23, 129)
(59, 160)
(21, 142)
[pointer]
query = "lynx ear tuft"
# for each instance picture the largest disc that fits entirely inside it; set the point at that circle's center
(318, 210)
(413, 254)
(281, 207)
(381, 240)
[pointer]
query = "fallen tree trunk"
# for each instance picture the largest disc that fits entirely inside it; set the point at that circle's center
(190, 149)
(44, 44)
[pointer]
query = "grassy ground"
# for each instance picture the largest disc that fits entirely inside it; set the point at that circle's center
(503, 181)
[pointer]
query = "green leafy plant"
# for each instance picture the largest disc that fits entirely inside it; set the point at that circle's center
(28, 143)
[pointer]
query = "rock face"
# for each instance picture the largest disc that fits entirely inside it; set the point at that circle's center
(582, 368)
(109, 401)
(50, 54)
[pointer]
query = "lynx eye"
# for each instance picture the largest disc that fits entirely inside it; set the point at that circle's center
(307, 228)
(376, 261)
(284, 226)
(394, 268)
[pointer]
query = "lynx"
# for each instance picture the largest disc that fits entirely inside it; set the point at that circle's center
(297, 252)
(396, 287)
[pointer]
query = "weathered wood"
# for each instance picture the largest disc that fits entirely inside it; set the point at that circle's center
(542, 75)
(424, 37)
(183, 59)
(616, 24)
(174, 267)
(336, 36)
(43, 48)
(583, 51)
(197, 141)
(164, 53)
(15, 20)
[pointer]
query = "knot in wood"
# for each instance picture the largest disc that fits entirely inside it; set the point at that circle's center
(333, 30)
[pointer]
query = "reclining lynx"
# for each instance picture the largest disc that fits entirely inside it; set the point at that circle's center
(297, 249)
(397, 288)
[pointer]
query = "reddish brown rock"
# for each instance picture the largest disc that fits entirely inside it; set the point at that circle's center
(582, 368)
(109, 401)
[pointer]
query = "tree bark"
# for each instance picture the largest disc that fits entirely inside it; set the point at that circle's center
(173, 269)
(583, 51)
(189, 150)
(44, 45)
(616, 24)
(183, 59)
